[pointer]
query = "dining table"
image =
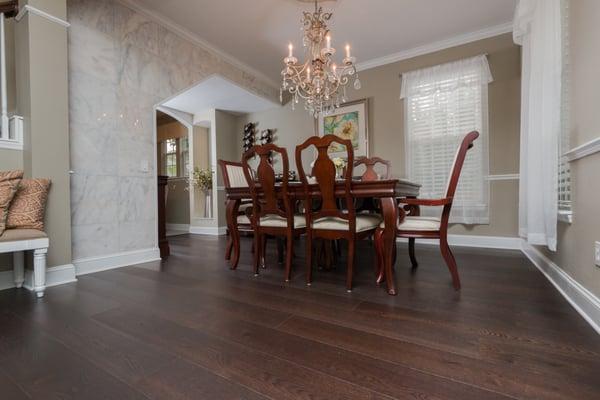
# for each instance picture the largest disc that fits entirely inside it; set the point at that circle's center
(387, 191)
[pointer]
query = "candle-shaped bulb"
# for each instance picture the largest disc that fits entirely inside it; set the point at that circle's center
(334, 69)
(328, 40)
(290, 50)
(308, 73)
(347, 51)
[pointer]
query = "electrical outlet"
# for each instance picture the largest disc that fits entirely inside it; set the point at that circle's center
(597, 254)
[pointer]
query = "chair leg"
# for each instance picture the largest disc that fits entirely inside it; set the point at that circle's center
(350, 271)
(379, 271)
(263, 250)
(289, 255)
(229, 247)
(257, 252)
(411, 252)
(308, 259)
(450, 262)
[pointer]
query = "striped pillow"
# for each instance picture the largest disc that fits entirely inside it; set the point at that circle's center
(9, 183)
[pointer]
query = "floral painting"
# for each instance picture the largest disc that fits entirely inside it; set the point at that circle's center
(344, 126)
(350, 122)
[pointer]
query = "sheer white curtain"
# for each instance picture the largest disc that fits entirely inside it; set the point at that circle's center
(537, 27)
(443, 104)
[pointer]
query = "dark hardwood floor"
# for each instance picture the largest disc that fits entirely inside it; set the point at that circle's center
(190, 328)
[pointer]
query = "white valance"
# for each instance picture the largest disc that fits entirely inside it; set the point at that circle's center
(446, 77)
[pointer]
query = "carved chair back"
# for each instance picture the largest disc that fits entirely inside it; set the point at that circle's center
(459, 160)
(324, 173)
(370, 174)
(233, 174)
(266, 199)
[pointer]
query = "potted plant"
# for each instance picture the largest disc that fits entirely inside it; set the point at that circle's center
(340, 164)
(202, 178)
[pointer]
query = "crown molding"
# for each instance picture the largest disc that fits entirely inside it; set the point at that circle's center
(189, 35)
(36, 11)
(436, 46)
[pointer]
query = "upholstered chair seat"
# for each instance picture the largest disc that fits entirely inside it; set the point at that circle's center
(276, 221)
(243, 219)
(363, 223)
(418, 224)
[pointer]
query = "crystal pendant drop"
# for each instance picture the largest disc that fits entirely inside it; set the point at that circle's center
(357, 84)
(280, 96)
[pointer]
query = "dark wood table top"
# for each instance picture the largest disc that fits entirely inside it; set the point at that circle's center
(380, 188)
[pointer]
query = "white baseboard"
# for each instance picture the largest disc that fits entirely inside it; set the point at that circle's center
(586, 304)
(178, 227)
(96, 264)
(58, 275)
(208, 230)
(488, 242)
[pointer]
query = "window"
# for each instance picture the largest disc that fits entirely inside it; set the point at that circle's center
(175, 157)
(443, 104)
(564, 170)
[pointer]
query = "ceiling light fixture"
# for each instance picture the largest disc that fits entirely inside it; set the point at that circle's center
(319, 81)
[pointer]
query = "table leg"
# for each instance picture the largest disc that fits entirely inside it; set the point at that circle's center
(231, 211)
(390, 214)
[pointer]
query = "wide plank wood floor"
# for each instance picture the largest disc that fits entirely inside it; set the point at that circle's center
(190, 328)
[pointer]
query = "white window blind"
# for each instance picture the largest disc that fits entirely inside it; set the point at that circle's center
(564, 170)
(443, 104)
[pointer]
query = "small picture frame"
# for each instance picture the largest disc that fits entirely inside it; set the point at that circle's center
(349, 121)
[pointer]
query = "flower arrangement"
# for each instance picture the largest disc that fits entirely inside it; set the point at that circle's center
(339, 162)
(202, 178)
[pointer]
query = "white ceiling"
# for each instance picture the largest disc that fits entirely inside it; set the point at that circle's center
(256, 32)
(218, 93)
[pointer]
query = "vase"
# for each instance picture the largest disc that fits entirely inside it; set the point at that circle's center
(207, 203)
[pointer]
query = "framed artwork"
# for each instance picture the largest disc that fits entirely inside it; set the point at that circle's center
(349, 121)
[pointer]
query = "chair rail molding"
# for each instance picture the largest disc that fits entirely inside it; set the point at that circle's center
(36, 11)
(584, 150)
(503, 177)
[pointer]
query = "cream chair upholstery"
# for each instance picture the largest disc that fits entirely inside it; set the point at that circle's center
(363, 223)
(243, 219)
(418, 224)
(236, 176)
(275, 221)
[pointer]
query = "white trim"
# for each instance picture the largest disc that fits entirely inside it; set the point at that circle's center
(584, 302)
(503, 177)
(58, 275)
(208, 230)
(22, 245)
(187, 34)
(36, 11)
(11, 144)
(436, 46)
(117, 260)
(488, 242)
(586, 149)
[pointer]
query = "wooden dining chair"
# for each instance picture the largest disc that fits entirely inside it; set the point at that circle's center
(233, 176)
(273, 211)
(415, 226)
(328, 220)
(370, 174)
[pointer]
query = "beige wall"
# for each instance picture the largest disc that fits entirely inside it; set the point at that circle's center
(229, 142)
(382, 87)
(42, 99)
(202, 161)
(575, 253)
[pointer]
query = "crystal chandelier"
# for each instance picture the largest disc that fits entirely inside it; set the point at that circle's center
(319, 81)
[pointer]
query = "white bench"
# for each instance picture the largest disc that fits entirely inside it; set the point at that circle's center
(17, 241)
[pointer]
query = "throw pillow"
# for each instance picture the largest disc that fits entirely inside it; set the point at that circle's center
(9, 183)
(29, 205)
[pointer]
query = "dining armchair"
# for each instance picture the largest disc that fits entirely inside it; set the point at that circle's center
(328, 220)
(370, 174)
(273, 211)
(233, 176)
(414, 226)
